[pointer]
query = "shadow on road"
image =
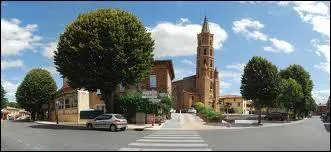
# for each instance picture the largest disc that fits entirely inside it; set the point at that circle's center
(327, 127)
(64, 127)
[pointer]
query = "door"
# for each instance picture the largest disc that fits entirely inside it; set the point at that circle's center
(99, 121)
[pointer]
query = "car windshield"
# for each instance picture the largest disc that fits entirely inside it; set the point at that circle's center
(118, 116)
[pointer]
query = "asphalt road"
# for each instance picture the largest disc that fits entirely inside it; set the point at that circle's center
(311, 134)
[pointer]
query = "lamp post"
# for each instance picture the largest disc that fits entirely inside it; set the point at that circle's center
(56, 114)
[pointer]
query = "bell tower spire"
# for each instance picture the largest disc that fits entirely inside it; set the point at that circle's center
(205, 26)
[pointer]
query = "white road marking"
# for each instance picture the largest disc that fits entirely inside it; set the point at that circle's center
(157, 140)
(173, 137)
(149, 149)
(168, 145)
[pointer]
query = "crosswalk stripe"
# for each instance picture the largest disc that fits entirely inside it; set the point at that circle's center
(168, 145)
(174, 137)
(149, 149)
(158, 140)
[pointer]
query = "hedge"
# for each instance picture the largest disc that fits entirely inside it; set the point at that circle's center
(206, 112)
(132, 103)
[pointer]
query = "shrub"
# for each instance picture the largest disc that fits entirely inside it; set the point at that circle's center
(198, 106)
(206, 112)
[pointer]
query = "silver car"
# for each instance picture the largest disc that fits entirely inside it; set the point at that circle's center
(113, 122)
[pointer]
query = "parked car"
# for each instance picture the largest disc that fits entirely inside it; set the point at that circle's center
(276, 116)
(113, 122)
(191, 110)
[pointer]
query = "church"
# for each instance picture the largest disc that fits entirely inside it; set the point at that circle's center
(204, 85)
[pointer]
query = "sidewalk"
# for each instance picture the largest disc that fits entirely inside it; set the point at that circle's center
(82, 124)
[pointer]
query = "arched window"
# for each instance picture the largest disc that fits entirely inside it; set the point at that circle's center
(204, 62)
(205, 51)
(211, 52)
(211, 63)
(211, 85)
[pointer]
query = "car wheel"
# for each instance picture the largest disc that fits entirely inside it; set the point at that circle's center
(89, 126)
(113, 128)
(123, 129)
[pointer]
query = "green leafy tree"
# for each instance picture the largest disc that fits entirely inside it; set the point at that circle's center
(14, 104)
(260, 83)
(103, 48)
(301, 76)
(37, 88)
(291, 93)
(4, 100)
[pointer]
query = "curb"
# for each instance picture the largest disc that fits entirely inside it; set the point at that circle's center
(250, 127)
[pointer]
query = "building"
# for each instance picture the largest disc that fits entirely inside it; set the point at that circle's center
(14, 113)
(204, 85)
(239, 104)
(71, 102)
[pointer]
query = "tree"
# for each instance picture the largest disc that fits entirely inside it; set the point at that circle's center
(291, 93)
(37, 88)
(4, 100)
(301, 76)
(102, 49)
(260, 83)
(14, 104)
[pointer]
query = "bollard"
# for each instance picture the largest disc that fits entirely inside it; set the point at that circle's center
(159, 120)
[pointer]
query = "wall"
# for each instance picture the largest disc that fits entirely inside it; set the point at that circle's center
(94, 100)
(83, 101)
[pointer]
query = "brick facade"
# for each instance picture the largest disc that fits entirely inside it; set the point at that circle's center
(204, 86)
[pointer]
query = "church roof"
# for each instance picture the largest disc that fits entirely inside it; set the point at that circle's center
(205, 26)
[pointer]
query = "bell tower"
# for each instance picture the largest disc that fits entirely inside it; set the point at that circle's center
(206, 77)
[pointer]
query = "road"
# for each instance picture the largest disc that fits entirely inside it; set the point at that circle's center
(311, 134)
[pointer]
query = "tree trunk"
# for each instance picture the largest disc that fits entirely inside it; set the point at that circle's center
(260, 111)
(108, 98)
(294, 114)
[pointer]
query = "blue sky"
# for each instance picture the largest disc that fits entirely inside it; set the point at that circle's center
(283, 32)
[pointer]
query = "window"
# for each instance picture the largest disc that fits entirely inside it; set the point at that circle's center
(121, 88)
(238, 104)
(211, 74)
(74, 103)
(211, 52)
(204, 62)
(103, 117)
(210, 42)
(152, 81)
(211, 63)
(211, 85)
(67, 104)
(234, 99)
(60, 104)
(192, 98)
(205, 51)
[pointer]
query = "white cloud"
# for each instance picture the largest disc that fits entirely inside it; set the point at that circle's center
(188, 62)
(15, 38)
(279, 46)
(314, 13)
(239, 67)
(321, 96)
(10, 89)
(324, 51)
(250, 29)
(224, 85)
(49, 50)
(5, 64)
(180, 39)
(180, 73)
(230, 76)
(51, 69)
